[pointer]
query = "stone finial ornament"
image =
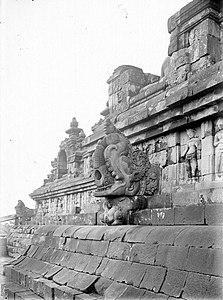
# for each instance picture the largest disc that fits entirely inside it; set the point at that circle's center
(122, 175)
(23, 211)
(218, 144)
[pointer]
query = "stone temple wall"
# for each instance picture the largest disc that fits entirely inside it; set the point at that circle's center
(117, 262)
(176, 118)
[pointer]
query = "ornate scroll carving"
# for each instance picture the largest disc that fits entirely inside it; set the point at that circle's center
(122, 175)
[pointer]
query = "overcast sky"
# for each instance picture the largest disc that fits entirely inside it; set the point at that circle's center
(56, 56)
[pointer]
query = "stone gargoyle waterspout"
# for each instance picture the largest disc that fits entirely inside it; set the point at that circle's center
(123, 176)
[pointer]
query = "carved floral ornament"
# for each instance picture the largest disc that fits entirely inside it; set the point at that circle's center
(122, 175)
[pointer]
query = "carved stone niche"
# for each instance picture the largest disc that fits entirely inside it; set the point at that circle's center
(123, 176)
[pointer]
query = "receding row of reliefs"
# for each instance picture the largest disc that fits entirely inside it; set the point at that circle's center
(70, 204)
(123, 176)
(69, 161)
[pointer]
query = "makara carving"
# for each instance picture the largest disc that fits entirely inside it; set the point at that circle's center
(122, 175)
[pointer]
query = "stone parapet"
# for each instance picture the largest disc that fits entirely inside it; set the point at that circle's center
(101, 262)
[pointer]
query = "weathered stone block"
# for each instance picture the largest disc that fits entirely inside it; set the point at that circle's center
(172, 155)
(93, 264)
(82, 232)
(82, 281)
(109, 268)
(151, 295)
(209, 26)
(22, 277)
(71, 244)
(215, 288)
(48, 290)
(138, 234)
(201, 64)
(214, 213)
(119, 250)
(207, 165)
(207, 144)
(206, 261)
(32, 250)
(84, 296)
(132, 293)
(84, 246)
(173, 47)
(99, 248)
(7, 270)
(177, 97)
(164, 234)
(26, 296)
(196, 285)
(115, 290)
(84, 219)
(154, 88)
(38, 285)
(121, 271)
(64, 276)
(142, 217)
(200, 237)
(15, 275)
(160, 201)
(135, 274)
(30, 280)
(138, 117)
(153, 278)
(185, 198)
(207, 83)
(70, 231)
(52, 272)
(60, 230)
(98, 233)
(172, 22)
(209, 44)
(102, 266)
(174, 282)
(47, 256)
(81, 262)
(102, 284)
(162, 216)
(116, 233)
(143, 253)
(56, 257)
(193, 214)
(172, 257)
